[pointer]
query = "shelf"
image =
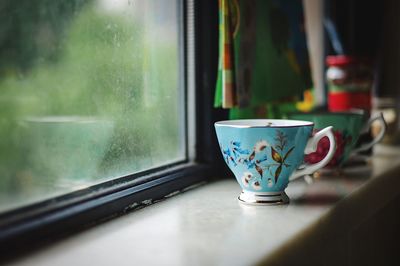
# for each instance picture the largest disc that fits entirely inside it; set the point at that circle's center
(208, 226)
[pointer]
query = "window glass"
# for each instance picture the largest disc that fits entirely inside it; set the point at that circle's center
(90, 90)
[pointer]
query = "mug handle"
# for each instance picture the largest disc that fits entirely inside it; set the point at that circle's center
(378, 138)
(311, 146)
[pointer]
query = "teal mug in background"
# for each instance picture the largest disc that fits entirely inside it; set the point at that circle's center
(347, 128)
(265, 154)
(64, 149)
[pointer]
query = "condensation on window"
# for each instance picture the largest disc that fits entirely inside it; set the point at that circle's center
(90, 90)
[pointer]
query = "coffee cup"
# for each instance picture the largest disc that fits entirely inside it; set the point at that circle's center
(347, 128)
(65, 148)
(265, 154)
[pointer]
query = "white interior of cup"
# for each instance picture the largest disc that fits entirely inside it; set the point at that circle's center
(246, 123)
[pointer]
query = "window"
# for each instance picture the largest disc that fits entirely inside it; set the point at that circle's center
(100, 109)
(90, 91)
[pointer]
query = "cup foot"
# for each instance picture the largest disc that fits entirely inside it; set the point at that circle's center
(263, 198)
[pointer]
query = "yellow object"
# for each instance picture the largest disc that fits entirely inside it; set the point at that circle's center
(308, 103)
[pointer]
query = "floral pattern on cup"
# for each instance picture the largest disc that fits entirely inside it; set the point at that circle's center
(342, 138)
(246, 178)
(257, 159)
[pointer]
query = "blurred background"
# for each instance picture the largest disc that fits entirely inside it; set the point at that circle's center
(89, 90)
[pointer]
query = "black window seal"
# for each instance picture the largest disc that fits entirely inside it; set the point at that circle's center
(21, 233)
(31, 227)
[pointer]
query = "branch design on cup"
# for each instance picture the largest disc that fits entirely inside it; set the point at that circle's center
(281, 140)
(257, 159)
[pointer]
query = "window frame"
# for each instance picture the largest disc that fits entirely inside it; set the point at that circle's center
(30, 227)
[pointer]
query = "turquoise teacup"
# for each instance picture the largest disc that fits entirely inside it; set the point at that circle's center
(65, 148)
(265, 154)
(347, 127)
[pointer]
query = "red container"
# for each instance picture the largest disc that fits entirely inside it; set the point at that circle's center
(344, 101)
(349, 82)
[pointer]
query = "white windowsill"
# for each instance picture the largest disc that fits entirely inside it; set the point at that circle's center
(207, 225)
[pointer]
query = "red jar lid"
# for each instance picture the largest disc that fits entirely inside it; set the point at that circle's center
(343, 60)
(340, 60)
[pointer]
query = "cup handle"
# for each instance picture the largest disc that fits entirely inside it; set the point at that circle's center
(377, 139)
(311, 146)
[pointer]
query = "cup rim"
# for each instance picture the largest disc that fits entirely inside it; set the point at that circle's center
(356, 112)
(263, 123)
